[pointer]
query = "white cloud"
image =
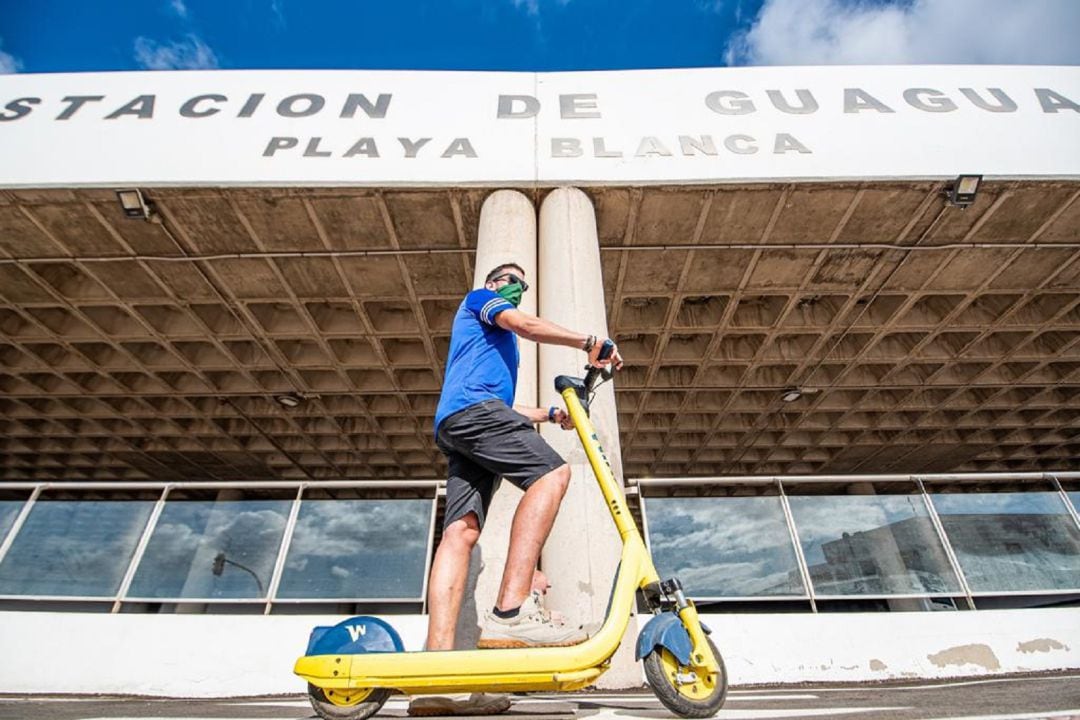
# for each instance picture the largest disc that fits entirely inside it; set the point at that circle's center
(854, 32)
(277, 7)
(9, 64)
(711, 6)
(179, 8)
(189, 54)
(532, 7)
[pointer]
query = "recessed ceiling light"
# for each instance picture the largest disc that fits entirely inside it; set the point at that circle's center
(791, 394)
(289, 401)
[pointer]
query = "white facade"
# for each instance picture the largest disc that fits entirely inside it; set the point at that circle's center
(385, 128)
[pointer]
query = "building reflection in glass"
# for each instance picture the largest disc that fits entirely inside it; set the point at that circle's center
(871, 545)
(1012, 541)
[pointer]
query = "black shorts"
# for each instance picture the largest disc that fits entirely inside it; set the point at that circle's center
(482, 443)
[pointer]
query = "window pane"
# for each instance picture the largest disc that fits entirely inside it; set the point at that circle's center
(1074, 497)
(871, 545)
(9, 510)
(724, 546)
(358, 549)
(212, 549)
(1012, 541)
(74, 548)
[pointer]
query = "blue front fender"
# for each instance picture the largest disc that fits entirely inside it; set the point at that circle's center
(666, 630)
(361, 634)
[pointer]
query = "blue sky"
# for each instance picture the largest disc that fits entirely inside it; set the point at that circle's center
(543, 35)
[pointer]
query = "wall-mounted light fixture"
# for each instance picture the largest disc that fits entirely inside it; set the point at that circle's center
(963, 190)
(134, 204)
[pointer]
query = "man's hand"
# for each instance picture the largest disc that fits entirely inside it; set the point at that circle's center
(614, 359)
(563, 418)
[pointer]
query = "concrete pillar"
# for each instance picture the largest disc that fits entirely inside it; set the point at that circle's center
(507, 233)
(582, 553)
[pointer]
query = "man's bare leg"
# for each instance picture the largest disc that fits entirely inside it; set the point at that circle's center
(446, 586)
(446, 589)
(532, 523)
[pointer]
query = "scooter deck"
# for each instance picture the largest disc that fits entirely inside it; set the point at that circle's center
(391, 674)
(549, 668)
(536, 668)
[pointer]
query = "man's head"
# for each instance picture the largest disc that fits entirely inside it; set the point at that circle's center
(508, 280)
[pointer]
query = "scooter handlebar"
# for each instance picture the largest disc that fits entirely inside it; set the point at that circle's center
(594, 372)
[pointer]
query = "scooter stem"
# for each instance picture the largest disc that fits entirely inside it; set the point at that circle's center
(605, 476)
(624, 521)
(602, 467)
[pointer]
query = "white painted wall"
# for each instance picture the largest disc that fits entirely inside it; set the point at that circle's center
(162, 655)
(222, 656)
(852, 647)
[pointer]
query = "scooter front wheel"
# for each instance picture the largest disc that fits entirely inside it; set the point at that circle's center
(686, 690)
(346, 704)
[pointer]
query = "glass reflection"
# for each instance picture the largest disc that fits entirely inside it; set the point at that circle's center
(9, 510)
(1074, 498)
(1012, 541)
(358, 549)
(871, 545)
(74, 548)
(724, 546)
(212, 549)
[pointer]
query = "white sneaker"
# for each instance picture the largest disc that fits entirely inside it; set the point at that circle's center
(531, 627)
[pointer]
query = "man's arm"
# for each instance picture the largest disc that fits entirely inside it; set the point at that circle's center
(534, 415)
(539, 330)
(540, 415)
(543, 331)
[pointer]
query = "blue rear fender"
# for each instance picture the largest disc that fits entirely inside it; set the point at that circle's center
(361, 634)
(666, 630)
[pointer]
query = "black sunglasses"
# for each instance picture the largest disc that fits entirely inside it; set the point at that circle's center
(513, 279)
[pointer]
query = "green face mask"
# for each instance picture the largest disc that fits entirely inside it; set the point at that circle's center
(512, 293)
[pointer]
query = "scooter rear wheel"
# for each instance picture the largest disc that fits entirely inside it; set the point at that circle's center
(346, 704)
(697, 699)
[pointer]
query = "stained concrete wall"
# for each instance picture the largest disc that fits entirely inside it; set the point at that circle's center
(186, 656)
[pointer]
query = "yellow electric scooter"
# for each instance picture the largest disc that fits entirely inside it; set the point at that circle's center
(353, 667)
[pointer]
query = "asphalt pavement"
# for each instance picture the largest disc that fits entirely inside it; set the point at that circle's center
(1049, 697)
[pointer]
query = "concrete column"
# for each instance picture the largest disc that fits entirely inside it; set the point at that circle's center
(507, 233)
(582, 553)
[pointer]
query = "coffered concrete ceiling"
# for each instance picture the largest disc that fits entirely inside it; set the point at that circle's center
(922, 337)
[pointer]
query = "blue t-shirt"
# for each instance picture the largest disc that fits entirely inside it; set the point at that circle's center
(483, 360)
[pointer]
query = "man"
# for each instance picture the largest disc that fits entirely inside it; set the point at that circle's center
(484, 438)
